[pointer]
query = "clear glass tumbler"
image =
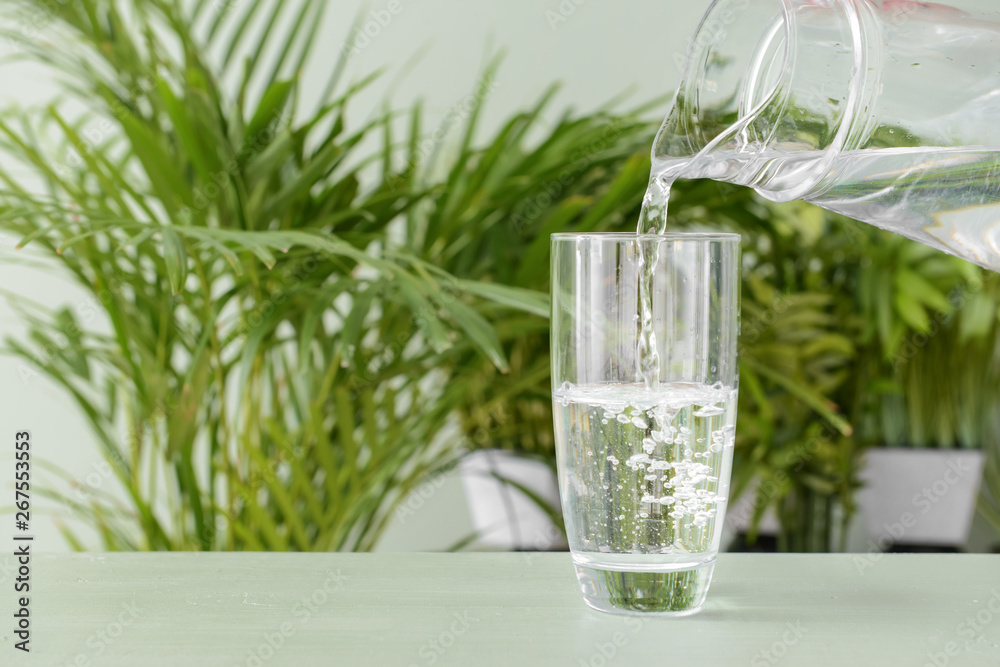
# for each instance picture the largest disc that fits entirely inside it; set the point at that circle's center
(644, 378)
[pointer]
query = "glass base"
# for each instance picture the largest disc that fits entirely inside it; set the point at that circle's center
(671, 593)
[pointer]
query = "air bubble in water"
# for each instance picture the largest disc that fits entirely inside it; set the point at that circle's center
(637, 460)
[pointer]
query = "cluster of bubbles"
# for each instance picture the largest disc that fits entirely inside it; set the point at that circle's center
(678, 479)
(667, 445)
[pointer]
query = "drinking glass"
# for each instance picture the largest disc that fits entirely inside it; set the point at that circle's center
(644, 378)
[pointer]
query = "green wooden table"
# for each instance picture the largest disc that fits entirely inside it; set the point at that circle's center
(496, 609)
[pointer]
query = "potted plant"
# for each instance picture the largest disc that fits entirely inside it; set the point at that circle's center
(280, 369)
(935, 412)
(821, 326)
(910, 361)
(243, 260)
(795, 457)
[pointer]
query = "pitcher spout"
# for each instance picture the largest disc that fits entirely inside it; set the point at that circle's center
(749, 93)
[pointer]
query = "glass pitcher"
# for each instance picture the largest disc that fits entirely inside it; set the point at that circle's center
(887, 111)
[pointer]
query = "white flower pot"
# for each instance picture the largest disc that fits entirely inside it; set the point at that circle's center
(920, 496)
(502, 515)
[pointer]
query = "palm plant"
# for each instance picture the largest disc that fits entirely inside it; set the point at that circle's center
(490, 219)
(937, 347)
(280, 365)
(297, 322)
(902, 350)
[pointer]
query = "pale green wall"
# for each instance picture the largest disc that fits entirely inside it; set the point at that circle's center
(599, 50)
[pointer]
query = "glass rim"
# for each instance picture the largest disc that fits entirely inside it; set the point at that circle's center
(631, 236)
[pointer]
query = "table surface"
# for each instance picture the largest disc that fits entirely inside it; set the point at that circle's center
(496, 609)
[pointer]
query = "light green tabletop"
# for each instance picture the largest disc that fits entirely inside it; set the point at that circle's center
(496, 609)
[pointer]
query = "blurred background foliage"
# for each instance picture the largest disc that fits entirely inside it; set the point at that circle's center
(305, 320)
